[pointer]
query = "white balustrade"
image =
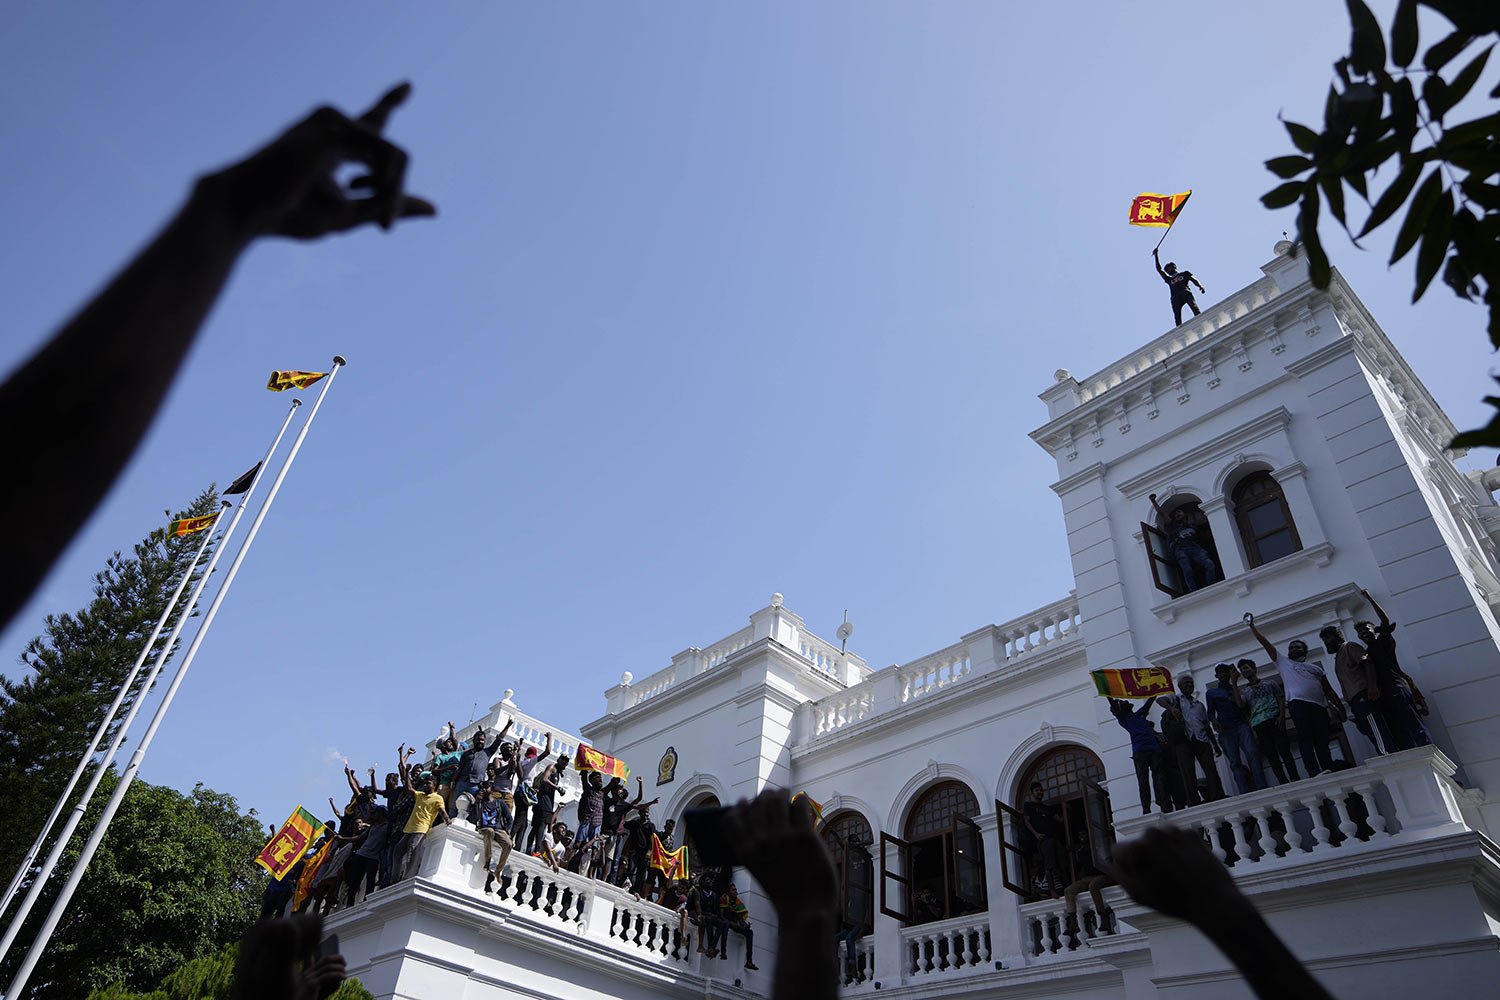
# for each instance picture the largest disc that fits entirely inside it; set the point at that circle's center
(451, 857)
(1149, 359)
(824, 656)
(839, 710)
(1055, 623)
(1047, 930)
(859, 969)
(1405, 796)
(934, 672)
(957, 946)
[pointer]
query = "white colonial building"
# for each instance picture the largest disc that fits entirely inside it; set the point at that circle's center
(1287, 419)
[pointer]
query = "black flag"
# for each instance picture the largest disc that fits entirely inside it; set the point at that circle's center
(242, 484)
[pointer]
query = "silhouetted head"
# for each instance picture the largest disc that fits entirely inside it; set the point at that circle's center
(1365, 631)
(1170, 268)
(1247, 670)
(1296, 650)
(1225, 673)
(1332, 638)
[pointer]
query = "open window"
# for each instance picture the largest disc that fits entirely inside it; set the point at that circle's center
(848, 839)
(893, 903)
(1070, 777)
(941, 859)
(1164, 571)
(1016, 848)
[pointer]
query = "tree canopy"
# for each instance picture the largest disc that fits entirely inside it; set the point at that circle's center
(1383, 110)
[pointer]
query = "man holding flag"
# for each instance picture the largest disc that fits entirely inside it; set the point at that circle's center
(1178, 282)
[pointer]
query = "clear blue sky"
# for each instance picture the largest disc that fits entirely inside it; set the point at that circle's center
(723, 300)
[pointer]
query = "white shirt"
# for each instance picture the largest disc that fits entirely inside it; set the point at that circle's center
(1303, 681)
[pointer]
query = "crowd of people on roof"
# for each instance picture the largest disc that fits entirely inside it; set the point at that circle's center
(511, 795)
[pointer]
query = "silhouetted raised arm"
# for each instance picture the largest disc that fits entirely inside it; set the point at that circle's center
(96, 385)
(1169, 870)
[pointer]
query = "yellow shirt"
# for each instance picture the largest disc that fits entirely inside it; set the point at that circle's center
(423, 812)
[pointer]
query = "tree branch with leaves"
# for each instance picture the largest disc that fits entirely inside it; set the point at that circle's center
(1383, 110)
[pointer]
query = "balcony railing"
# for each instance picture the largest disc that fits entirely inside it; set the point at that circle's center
(604, 915)
(954, 947)
(1398, 798)
(1050, 627)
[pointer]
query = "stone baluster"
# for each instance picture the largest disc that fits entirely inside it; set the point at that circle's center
(1051, 934)
(984, 943)
(1241, 841)
(1263, 816)
(971, 956)
(651, 929)
(1210, 828)
(1347, 826)
(1288, 821)
(1376, 818)
(1320, 827)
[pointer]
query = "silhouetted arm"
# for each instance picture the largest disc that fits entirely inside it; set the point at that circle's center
(1169, 870)
(96, 385)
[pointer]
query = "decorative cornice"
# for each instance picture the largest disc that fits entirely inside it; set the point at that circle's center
(1083, 476)
(1232, 440)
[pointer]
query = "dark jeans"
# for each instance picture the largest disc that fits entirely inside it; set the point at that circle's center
(359, 868)
(1402, 718)
(617, 860)
(388, 858)
(1200, 752)
(1177, 304)
(1364, 712)
(744, 930)
(1151, 770)
(521, 823)
(541, 818)
(714, 933)
(1244, 758)
(1311, 722)
(1277, 750)
(1191, 561)
(1051, 849)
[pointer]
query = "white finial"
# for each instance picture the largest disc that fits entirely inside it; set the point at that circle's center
(1283, 246)
(1062, 375)
(509, 694)
(626, 678)
(776, 600)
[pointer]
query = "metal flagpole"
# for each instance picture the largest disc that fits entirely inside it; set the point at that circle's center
(109, 717)
(44, 935)
(76, 816)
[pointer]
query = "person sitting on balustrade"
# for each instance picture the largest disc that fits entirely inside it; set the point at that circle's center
(1088, 879)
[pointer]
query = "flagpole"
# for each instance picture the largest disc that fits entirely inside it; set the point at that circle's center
(109, 717)
(1175, 216)
(44, 935)
(76, 816)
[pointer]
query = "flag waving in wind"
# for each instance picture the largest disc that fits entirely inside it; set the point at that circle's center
(294, 837)
(1158, 210)
(191, 525)
(1141, 682)
(281, 381)
(589, 759)
(242, 484)
(672, 864)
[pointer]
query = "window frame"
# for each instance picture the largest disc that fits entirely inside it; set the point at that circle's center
(1153, 537)
(1243, 507)
(843, 865)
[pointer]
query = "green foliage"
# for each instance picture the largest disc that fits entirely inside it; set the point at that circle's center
(1375, 116)
(210, 978)
(76, 666)
(174, 880)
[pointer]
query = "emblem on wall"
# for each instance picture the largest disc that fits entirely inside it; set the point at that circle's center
(666, 768)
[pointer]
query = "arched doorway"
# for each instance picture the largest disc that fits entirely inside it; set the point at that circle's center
(941, 858)
(705, 800)
(1071, 780)
(848, 838)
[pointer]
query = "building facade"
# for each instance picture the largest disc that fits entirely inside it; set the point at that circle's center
(1284, 426)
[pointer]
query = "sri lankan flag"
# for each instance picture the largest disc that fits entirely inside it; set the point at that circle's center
(1139, 682)
(589, 759)
(1159, 210)
(310, 872)
(814, 805)
(191, 525)
(281, 381)
(672, 864)
(295, 836)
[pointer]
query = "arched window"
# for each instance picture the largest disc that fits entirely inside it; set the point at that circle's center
(941, 858)
(1265, 521)
(848, 839)
(1073, 797)
(705, 800)
(1180, 547)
